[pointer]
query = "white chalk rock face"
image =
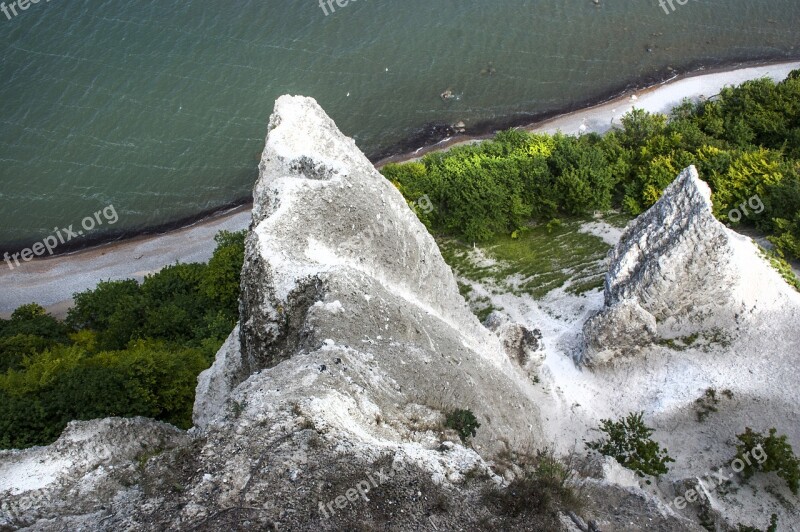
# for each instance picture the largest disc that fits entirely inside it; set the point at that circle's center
(82, 472)
(354, 341)
(353, 346)
(677, 272)
(621, 329)
(336, 263)
(215, 385)
(323, 211)
(523, 346)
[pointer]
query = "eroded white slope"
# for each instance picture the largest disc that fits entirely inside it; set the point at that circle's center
(690, 275)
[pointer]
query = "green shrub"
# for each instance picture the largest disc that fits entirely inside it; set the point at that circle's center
(779, 456)
(583, 180)
(14, 349)
(114, 309)
(787, 236)
(639, 127)
(183, 303)
(758, 112)
(29, 331)
(752, 173)
(221, 281)
(67, 383)
(464, 422)
(629, 442)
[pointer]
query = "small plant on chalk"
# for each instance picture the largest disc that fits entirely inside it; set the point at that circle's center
(708, 403)
(464, 422)
(629, 442)
(772, 453)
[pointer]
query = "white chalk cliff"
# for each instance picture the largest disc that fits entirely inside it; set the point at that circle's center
(354, 344)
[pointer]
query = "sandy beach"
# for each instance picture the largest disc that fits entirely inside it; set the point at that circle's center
(51, 282)
(660, 98)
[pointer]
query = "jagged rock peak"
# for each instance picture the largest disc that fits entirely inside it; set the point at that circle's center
(677, 271)
(336, 259)
(320, 206)
(353, 346)
(674, 241)
(303, 142)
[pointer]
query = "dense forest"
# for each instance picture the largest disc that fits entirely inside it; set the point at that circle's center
(135, 349)
(745, 142)
(126, 349)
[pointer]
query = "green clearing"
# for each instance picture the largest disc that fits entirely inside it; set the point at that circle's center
(540, 259)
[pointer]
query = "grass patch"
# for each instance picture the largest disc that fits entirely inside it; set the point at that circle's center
(679, 344)
(619, 220)
(707, 403)
(535, 261)
(704, 340)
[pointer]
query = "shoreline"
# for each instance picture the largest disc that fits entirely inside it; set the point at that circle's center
(51, 281)
(433, 137)
(551, 122)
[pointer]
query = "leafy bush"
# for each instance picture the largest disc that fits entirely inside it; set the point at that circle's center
(780, 457)
(787, 243)
(182, 303)
(629, 442)
(115, 310)
(220, 284)
(14, 349)
(464, 422)
(67, 383)
(758, 112)
(29, 331)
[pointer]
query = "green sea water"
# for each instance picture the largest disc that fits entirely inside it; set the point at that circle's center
(160, 108)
